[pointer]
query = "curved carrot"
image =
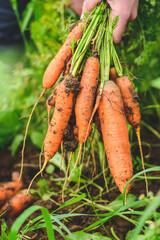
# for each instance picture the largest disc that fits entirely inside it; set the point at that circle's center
(115, 135)
(16, 204)
(58, 63)
(59, 122)
(131, 101)
(86, 97)
(132, 110)
(9, 189)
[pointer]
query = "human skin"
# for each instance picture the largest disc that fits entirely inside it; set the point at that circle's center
(125, 9)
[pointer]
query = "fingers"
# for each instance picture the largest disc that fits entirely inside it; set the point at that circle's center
(89, 5)
(77, 6)
(134, 10)
(119, 30)
(127, 11)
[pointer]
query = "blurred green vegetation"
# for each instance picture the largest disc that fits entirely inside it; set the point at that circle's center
(22, 70)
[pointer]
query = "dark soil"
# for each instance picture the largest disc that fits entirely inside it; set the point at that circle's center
(8, 164)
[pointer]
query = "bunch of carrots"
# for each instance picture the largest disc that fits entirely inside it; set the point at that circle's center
(88, 88)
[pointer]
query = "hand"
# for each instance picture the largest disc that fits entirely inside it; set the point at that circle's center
(126, 9)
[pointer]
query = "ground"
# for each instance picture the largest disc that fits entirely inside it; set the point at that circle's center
(8, 164)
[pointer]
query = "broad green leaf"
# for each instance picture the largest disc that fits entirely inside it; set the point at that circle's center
(155, 83)
(9, 125)
(87, 236)
(37, 138)
(117, 203)
(50, 169)
(56, 160)
(16, 143)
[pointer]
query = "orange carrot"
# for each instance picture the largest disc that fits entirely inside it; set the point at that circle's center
(132, 110)
(85, 101)
(16, 204)
(59, 122)
(9, 189)
(131, 101)
(58, 63)
(52, 98)
(86, 97)
(115, 135)
(113, 74)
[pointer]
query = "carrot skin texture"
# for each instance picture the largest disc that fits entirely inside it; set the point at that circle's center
(130, 100)
(9, 189)
(16, 204)
(113, 74)
(59, 121)
(86, 97)
(58, 63)
(115, 135)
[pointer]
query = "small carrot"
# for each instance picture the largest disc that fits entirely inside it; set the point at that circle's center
(52, 98)
(115, 135)
(113, 74)
(59, 122)
(58, 63)
(85, 101)
(131, 101)
(16, 204)
(9, 189)
(132, 110)
(86, 97)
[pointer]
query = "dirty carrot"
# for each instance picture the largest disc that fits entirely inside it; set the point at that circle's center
(58, 63)
(16, 204)
(85, 101)
(50, 104)
(59, 121)
(131, 101)
(115, 135)
(9, 189)
(86, 97)
(132, 110)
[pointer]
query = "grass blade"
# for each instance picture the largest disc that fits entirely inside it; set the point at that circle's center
(146, 214)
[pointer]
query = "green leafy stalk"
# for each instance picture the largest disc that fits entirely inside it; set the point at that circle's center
(85, 42)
